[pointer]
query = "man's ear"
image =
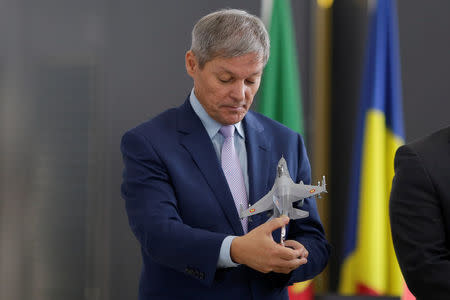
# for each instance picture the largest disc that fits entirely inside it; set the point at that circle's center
(191, 63)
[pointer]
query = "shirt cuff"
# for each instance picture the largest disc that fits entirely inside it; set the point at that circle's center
(224, 255)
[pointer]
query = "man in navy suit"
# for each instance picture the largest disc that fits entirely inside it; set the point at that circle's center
(179, 202)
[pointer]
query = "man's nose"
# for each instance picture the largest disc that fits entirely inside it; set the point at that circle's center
(238, 91)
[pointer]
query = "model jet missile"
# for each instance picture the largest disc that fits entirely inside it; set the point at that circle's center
(282, 195)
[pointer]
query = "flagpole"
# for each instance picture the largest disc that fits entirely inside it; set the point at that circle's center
(321, 111)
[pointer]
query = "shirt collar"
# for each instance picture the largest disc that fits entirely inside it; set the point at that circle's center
(211, 125)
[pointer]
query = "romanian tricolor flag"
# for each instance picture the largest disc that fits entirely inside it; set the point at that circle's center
(370, 266)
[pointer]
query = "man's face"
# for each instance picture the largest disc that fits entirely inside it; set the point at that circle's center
(226, 86)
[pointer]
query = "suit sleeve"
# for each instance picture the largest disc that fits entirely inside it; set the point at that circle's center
(418, 229)
(154, 218)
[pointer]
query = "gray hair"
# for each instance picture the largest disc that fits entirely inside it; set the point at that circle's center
(229, 33)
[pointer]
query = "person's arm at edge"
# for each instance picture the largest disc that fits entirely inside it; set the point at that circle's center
(418, 229)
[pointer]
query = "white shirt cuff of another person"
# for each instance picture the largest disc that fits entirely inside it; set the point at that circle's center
(224, 255)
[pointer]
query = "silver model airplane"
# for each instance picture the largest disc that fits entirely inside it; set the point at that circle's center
(283, 193)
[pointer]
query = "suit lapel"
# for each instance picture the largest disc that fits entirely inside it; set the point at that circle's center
(196, 141)
(258, 159)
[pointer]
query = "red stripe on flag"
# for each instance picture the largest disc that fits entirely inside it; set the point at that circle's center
(362, 289)
(407, 295)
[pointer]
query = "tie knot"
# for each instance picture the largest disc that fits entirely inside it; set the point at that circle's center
(227, 130)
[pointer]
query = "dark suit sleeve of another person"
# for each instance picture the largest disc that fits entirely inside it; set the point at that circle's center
(417, 222)
(154, 217)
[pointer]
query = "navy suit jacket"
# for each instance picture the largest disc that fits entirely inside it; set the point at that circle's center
(180, 207)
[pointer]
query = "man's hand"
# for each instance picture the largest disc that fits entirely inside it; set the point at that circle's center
(259, 251)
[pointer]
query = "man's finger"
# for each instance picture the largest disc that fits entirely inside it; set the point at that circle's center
(305, 253)
(298, 247)
(276, 223)
(288, 266)
(293, 244)
(287, 253)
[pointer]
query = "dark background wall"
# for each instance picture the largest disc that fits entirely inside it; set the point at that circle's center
(74, 75)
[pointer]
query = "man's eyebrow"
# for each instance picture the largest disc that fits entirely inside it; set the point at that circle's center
(222, 69)
(256, 73)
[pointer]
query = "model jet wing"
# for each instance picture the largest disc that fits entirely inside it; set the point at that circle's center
(302, 190)
(283, 194)
(265, 203)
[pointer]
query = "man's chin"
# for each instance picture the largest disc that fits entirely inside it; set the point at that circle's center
(233, 119)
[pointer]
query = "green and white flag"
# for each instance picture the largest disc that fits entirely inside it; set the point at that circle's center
(280, 96)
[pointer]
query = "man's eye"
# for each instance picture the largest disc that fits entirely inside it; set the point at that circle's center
(225, 80)
(250, 81)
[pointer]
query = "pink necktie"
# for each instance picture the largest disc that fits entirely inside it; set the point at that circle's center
(233, 172)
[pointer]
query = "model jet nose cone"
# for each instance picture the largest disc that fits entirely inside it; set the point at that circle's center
(282, 167)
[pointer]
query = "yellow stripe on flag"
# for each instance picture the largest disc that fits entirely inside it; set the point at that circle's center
(299, 287)
(373, 263)
(347, 284)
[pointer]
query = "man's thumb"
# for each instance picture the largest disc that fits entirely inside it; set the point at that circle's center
(276, 223)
